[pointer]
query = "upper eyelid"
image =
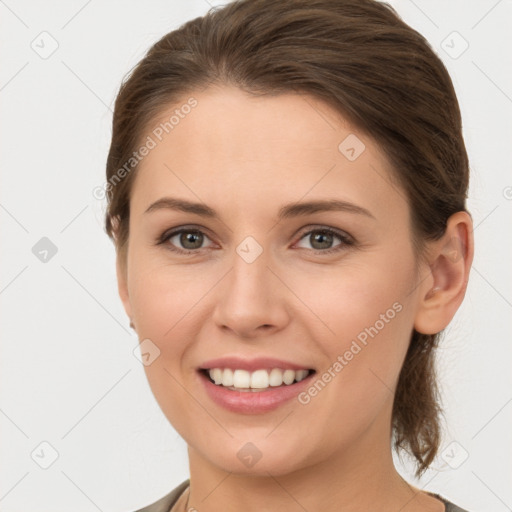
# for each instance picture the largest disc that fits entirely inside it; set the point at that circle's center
(176, 231)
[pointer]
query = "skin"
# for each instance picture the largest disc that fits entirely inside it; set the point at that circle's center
(245, 157)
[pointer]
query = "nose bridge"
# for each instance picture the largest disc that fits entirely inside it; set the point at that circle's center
(250, 273)
(250, 297)
(248, 284)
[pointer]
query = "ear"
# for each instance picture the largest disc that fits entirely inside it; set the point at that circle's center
(450, 260)
(122, 283)
(121, 269)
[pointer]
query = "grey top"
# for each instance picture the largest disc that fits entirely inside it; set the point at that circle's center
(165, 503)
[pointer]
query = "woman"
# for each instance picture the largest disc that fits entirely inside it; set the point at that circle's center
(286, 186)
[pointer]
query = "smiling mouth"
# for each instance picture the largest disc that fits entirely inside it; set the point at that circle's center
(258, 380)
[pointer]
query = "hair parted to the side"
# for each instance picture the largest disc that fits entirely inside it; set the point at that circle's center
(366, 63)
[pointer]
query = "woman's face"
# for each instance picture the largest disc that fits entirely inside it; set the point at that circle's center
(253, 276)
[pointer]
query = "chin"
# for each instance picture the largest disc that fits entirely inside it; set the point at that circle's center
(274, 466)
(258, 458)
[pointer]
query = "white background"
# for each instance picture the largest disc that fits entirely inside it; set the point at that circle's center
(67, 369)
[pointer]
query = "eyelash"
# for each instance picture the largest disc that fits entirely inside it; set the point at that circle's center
(345, 239)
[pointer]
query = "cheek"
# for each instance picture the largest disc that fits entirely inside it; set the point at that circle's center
(166, 302)
(165, 298)
(351, 302)
(356, 387)
(366, 322)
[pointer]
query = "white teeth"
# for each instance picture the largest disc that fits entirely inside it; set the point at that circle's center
(216, 375)
(259, 379)
(288, 376)
(241, 379)
(227, 377)
(275, 377)
(300, 374)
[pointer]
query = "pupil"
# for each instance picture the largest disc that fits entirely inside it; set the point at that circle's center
(191, 238)
(323, 237)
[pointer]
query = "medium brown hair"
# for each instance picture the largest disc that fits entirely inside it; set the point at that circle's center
(364, 61)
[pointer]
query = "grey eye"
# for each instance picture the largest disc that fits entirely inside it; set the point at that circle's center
(188, 239)
(320, 239)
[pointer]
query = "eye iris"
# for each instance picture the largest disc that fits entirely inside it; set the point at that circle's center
(322, 237)
(193, 238)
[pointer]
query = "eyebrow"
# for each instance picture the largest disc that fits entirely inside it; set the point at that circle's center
(285, 212)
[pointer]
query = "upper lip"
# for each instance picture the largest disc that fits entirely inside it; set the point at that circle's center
(258, 363)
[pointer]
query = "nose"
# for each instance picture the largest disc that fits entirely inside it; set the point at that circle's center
(251, 300)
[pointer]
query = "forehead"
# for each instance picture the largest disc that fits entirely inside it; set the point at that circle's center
(234, 150)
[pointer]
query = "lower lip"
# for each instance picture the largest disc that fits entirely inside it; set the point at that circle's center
(253, 402)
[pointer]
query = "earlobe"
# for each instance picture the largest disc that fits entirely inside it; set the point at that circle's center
(450, 262)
